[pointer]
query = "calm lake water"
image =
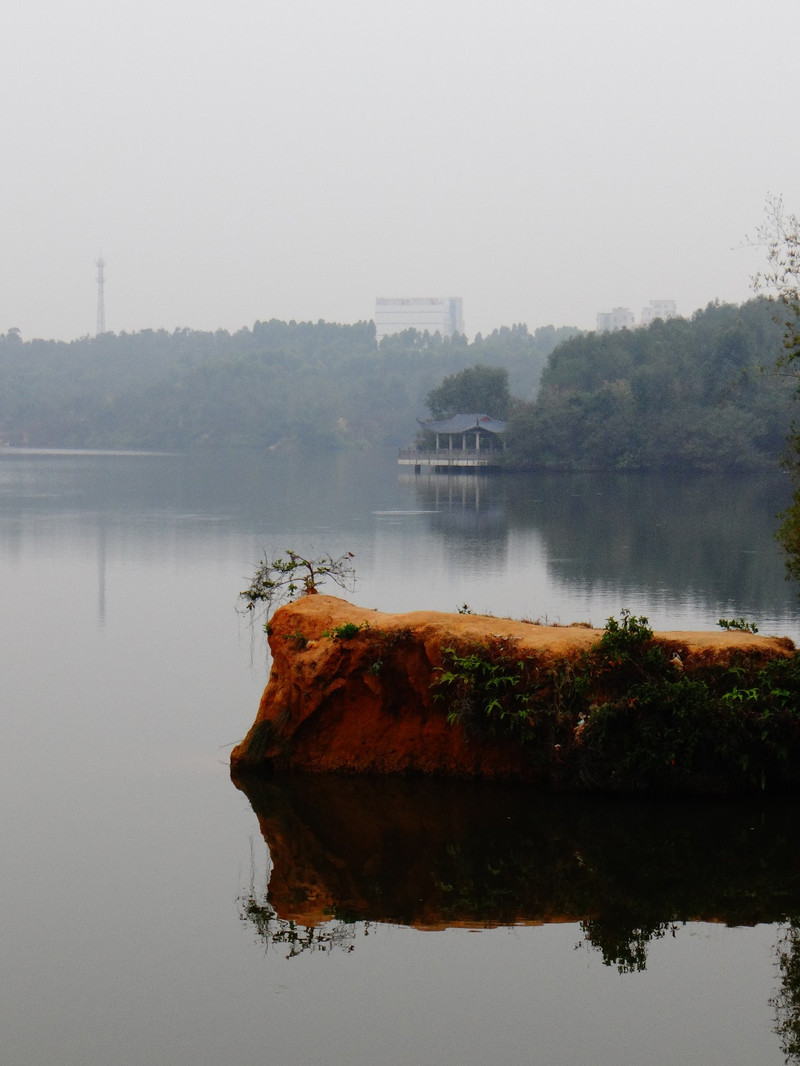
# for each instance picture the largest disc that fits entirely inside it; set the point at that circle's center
(145, 918)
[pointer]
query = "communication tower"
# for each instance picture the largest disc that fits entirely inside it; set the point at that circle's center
(101, 300)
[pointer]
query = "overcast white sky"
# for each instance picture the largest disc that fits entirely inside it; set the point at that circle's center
(236, 160)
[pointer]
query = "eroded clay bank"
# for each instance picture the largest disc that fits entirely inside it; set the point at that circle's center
(354, 690)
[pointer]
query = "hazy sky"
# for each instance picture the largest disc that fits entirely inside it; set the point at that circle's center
(248, 159)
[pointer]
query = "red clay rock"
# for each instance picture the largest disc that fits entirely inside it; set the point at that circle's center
(366, 704)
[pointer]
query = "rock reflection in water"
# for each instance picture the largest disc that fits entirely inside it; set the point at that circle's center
(436, 854)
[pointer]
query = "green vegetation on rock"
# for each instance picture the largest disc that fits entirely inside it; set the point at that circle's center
(625, 717)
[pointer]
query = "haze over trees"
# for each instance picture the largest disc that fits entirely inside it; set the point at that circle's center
(700, 393)
(277, 383)
(473, 390)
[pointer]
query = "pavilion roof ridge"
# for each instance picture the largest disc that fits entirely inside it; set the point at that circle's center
(463, 422)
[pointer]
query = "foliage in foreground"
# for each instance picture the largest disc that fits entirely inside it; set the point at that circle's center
(624, 717)
(787, 1002)
(780, 235)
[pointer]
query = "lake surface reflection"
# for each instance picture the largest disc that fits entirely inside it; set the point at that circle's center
(154, 913)
(438, 854)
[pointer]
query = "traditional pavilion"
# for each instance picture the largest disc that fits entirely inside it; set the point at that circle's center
(463, 441)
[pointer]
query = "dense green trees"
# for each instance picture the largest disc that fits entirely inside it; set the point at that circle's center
(699, 393)
(478, 389)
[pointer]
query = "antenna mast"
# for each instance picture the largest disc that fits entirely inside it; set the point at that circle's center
(101, 301)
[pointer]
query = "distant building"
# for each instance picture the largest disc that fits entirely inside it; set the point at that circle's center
(432, 314)
(658, 309)
(623, 318)
(619, 318)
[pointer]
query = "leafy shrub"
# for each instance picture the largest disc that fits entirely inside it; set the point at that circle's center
(279, 580)
(346, 631)
(738, 623)
(485, 688)
(625, 717)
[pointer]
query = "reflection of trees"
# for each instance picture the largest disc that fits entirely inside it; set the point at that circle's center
(279, 932)
(787, 1001)
(349, 852)
(286, 933)
(656, 532)
(621, 944)
(649, 533)
(433, 854)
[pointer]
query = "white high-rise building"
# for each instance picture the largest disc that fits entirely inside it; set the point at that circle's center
(658, 309)
(619, 318)
(432, 314)
(623, 318)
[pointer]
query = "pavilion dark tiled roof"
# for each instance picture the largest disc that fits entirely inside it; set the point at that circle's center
(463, 423)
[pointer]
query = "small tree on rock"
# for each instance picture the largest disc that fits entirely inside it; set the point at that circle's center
(277, 581)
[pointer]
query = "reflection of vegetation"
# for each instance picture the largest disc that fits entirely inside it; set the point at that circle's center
(667, 536)
(491, 885)
(651, 533)
(275, 931)
(436, 853)
(621, 944)
(286, 933)
(624, 716)
(787, 1001)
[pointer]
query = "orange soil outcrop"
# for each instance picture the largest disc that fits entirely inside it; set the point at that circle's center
(366, 704)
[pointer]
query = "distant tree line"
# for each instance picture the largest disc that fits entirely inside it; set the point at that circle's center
(277, 383)
(701, 393)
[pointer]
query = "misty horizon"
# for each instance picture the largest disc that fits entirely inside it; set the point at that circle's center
(255, 162)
